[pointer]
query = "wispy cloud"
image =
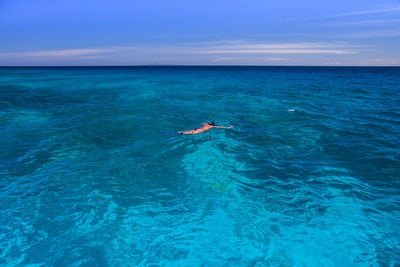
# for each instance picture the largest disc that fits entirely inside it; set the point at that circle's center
(370, 34)
(273, 48)
(275, 51)
(220, 59)
(215, 48)
(355, 13)
(365, 62)
(364, 12)
(60, 53)
(368, 22)
(276, 58)
(227, 52)
(387, 62)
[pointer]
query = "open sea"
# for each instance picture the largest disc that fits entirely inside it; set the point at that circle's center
(308, 176)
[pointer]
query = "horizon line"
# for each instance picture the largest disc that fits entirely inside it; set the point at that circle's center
(186, 65)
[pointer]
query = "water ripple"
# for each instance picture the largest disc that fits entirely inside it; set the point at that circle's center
(87, 179)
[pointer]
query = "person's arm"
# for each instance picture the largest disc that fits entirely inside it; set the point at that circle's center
(222, 127)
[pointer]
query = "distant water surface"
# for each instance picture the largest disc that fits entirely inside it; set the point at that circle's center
(308, 176)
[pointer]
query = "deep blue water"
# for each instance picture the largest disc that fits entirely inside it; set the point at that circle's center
(308, 176)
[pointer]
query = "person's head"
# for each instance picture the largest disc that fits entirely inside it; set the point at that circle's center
(211, 123)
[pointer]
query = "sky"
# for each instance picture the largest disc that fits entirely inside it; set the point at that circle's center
(207, 32)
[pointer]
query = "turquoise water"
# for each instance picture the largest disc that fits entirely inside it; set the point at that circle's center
(308, 176)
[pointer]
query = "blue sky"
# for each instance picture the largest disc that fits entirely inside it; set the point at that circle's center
(218, 32)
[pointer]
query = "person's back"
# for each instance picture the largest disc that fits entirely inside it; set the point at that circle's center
(205, 127)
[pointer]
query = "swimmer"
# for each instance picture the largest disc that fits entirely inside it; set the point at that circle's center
(205, 127)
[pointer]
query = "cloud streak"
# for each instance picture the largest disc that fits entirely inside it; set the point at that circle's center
(368, 22)
(60, 53)
(355, 13)
(363, 12)
(276, 58)
(370, 34)
(274, 51)
(229, 52)
(221, 48)
(273, 48)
